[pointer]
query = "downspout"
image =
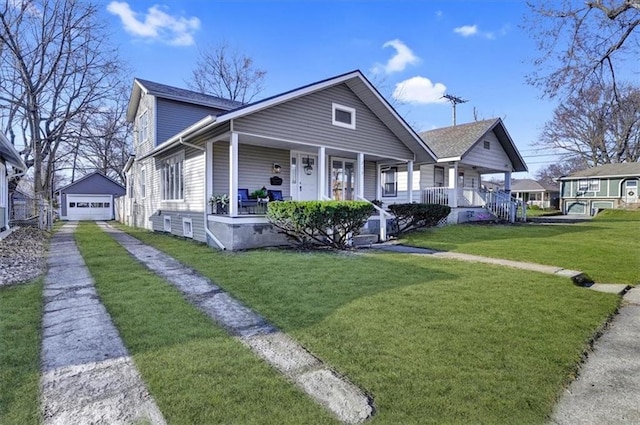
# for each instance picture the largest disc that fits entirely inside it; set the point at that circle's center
(191, 145)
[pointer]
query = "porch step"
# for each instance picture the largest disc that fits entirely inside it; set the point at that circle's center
(365, 240)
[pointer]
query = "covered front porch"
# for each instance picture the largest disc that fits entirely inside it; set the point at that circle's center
(240, 165)
(460, 186)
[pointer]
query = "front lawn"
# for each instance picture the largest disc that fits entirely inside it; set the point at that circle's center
(433, 341)
(20, 316)
(606, 248)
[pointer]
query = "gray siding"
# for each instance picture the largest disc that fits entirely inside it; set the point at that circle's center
(197, 223)
(173, 117)
(3, 214)
(142, 147)
(92, 185)
(309, 119)
(495, 157)
(254, 168)
(370, 180)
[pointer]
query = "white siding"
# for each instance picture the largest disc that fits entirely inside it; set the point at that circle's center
(495, 157)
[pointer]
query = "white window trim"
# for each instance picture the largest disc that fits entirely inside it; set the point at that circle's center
(187, 228)
(386, 194)
(352, 111)
(166, 224)
(143, 182)
(3, 187)
(589, 182)
(581, 186)
(144, 118)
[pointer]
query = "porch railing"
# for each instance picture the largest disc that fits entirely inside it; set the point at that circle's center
(436, 195)
(383, 215)
(505, 207)
(466, 197)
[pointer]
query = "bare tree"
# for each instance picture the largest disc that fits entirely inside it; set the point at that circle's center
(582, 42)
(547, 175)
(223, 72)
(55, 65)
(596, 126)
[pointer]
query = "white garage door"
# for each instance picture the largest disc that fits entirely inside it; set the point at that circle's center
(89, 207)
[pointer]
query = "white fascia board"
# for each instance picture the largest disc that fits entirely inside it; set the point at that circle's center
(450, 159)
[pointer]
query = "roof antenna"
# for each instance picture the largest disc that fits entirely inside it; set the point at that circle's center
(454, 101)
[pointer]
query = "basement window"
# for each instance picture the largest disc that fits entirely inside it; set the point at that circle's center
(167, 223)
(187, 228)
(343, 116)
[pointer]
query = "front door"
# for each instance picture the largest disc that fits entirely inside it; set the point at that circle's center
(631, 191)
(304, 177)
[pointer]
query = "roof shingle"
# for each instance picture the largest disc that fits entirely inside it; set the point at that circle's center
(608, 170)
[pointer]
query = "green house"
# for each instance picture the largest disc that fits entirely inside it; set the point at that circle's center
(602, 187)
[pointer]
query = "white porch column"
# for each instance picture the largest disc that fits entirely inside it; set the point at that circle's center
(208, 169)
(410, 181)
(453, 185)
(360, 181)
(507, 181)
(233, 175)
(378, 181)
(322, 173)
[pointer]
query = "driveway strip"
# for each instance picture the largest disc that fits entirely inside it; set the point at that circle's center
(346, 401)
(87, 374)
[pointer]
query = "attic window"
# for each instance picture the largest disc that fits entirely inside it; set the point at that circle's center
(487, 144)
(343, 116)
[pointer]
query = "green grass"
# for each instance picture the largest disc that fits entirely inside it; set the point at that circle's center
(195, 371)
(605, 248)
(20, 320)
(433, 341)
(541, 212)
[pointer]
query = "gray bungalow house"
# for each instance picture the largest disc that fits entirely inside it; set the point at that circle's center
(10, 164)
(535, 193)
(331, 139)
(605, 186)
(465, 153)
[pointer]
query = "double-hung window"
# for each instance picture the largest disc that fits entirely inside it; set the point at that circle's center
(594, 185)
(583, 185)
(143, 127)
(3, 185)
(172, 177)
(143, 182)
(390, 181)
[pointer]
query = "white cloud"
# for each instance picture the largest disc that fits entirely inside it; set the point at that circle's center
(156, 25)
(398, 62)
(419, 90)
(466, 30)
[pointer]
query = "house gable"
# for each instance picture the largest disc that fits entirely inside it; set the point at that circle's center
(173, 116)
(309, 119)
(94, 184)
(488, 153)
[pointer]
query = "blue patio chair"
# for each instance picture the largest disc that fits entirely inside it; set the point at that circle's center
(275, 195)
(245, 203)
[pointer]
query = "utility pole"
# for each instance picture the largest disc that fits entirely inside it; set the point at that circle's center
(454, 101)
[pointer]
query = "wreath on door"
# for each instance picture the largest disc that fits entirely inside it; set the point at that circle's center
(630, 193)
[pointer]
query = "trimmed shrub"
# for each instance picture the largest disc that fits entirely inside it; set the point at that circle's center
(329, 223)
(416, 216)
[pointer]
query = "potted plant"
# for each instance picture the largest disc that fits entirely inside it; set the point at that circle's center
(259, 194)
(219, 203)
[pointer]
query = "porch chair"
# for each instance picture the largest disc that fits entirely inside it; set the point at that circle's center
(276, 195)
(245, 203)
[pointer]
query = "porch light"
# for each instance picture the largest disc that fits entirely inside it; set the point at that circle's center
(308, 169)
(276, 168)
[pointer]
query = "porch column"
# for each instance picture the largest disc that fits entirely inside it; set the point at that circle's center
(410, 181)
(378, 181)
(233, 175)
(453, 185)
(322, 173)
(208, 169)
(360, 180)
(507, 181)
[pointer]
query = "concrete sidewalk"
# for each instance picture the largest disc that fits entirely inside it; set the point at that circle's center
(342, 398)
(607, 390)
(88, 376)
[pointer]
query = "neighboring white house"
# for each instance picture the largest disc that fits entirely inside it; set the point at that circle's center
(10, 164)
(465, 153)
(333, 139)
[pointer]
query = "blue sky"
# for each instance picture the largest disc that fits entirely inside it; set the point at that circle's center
(414, 50)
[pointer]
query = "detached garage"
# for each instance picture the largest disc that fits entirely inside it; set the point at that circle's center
(89, 198)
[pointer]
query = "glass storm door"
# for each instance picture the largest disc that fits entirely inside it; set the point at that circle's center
(343, 179)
